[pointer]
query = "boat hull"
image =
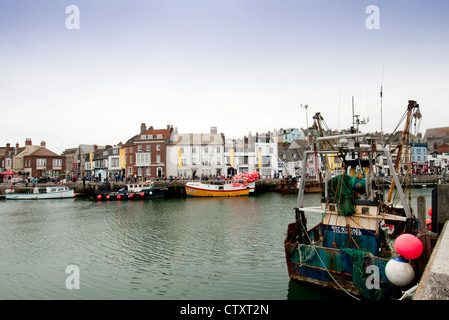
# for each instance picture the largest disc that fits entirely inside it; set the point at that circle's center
(142, 195)
(68, 194)
(331, 267)
(203, 190)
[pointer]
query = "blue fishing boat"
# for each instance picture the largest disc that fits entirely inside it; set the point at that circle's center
(351, 246)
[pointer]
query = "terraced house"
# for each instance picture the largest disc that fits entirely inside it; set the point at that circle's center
(145, 154)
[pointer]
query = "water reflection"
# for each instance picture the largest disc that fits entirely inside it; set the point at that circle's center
(160, 249)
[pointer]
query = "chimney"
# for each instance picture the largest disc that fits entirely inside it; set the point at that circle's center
(43, 144)
(28, 142)
(95, 147)
(17, 145)
(213, 130)
(143, 128)
(8, 145)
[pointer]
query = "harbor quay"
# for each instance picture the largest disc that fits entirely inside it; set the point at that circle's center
(174, 187)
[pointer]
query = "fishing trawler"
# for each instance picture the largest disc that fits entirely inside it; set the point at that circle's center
(354, 239)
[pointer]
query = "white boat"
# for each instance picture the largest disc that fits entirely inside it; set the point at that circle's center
(42, 193)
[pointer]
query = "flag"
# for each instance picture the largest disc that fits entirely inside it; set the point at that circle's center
(231, 157)
(90, 158)
(122, 158)
(179, 158)
(259, 158)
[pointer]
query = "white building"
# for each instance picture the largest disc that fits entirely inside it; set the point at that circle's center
(195, 154)
(259, 152)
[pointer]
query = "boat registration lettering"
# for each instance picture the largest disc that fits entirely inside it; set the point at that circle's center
(191, 190)
(341, 229)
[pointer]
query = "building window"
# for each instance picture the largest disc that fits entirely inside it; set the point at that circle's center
(160, 136)
(158, 147)
(148, 147)
(143, 159)
(139, 148)
(57, 162)
(143, 137)
(158, 158)
(218, 149)
(41, 162)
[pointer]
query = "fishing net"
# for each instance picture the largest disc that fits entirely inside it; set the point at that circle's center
(371, 283)
(341, 190)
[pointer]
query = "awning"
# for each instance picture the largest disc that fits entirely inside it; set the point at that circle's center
(9, 173)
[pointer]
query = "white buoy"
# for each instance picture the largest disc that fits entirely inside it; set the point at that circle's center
(399, 272)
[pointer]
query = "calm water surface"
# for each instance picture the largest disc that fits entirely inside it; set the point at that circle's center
(159, 249)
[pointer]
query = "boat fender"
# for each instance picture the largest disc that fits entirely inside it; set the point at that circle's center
(99, 197)
(119, 197)
(399, 272)
(142, 194)
(408, 246)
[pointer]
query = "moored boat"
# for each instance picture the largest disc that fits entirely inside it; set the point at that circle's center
(350, 248)
(132, 191)
(242, 184)
(58, 192)
(225, 189)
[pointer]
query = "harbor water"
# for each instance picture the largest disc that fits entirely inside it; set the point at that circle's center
(161, 249)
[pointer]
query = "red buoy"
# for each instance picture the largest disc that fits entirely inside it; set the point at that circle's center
(430, 211)
(408, 246)
(119, 197)
(108, 197)
(142, 194)
(99, 197)
(131, 195)
(429, 224)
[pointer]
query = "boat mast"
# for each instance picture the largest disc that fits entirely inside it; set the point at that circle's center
(411, 106)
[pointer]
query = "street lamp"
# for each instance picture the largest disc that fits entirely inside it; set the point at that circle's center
(307, 121)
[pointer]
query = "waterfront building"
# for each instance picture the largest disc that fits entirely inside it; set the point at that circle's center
(419, 158)
(7, 154)
(290, 156)
(41, 163)
(192, 155)
(266, 150)
(145, 153)
(254, 152)
(76, 158)
(435, 137)
(290, 134)
(114, 167)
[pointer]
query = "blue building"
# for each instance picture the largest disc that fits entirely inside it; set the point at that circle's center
(419, 158)
(288, 135)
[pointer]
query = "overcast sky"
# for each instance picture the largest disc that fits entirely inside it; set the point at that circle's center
(238, 65)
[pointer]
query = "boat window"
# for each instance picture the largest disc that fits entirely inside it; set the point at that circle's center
(220, 187)
(365, 210)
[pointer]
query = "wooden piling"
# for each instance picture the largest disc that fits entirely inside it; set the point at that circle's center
(423, 235)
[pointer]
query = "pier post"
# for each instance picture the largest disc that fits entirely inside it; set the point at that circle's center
(440, 207)
(423, 235)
